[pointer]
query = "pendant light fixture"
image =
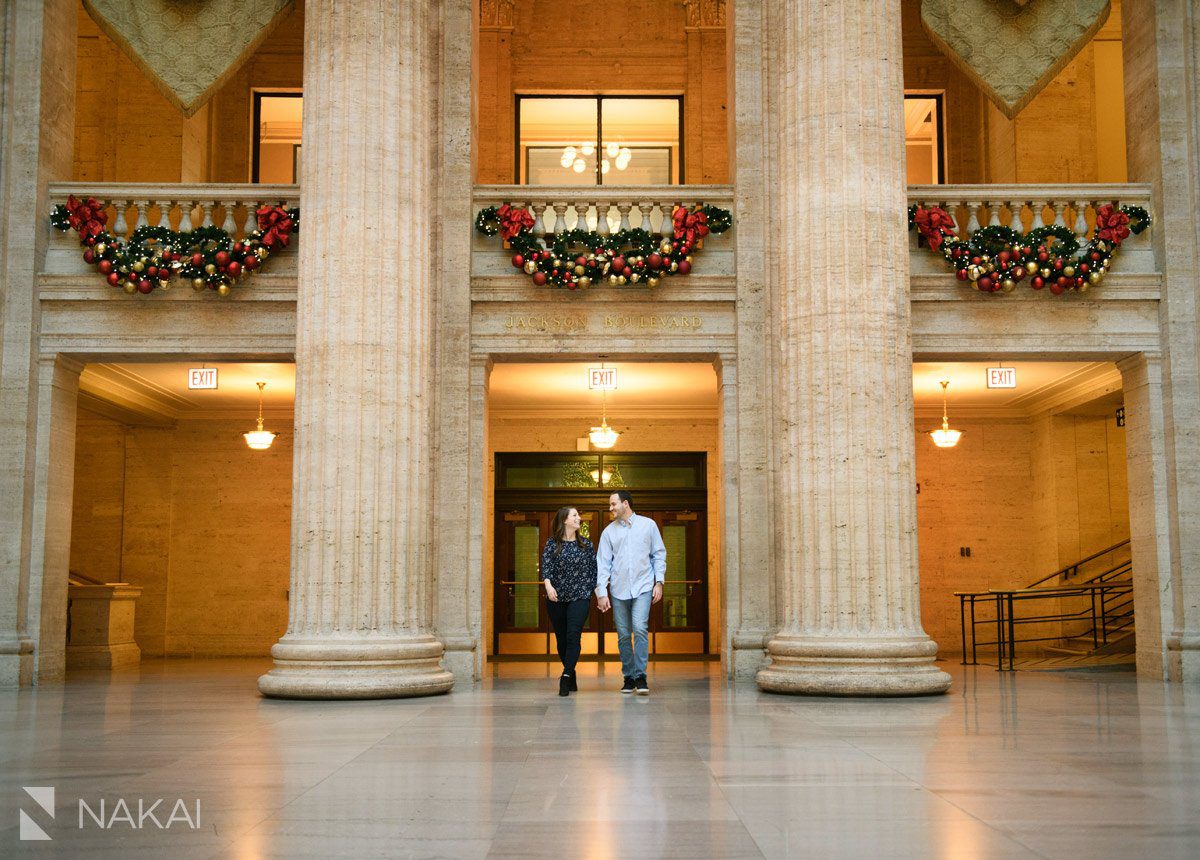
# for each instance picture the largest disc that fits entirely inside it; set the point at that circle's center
(260, 439)
(603, 437)
(944, 437)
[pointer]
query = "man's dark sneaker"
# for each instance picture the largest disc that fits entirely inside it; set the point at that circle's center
(564, 685)
(629, 685)
(643, 689)
(574, 683)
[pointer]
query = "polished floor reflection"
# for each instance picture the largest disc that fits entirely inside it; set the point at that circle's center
(1092, 765)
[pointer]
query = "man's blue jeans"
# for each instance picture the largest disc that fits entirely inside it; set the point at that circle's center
(633, 616)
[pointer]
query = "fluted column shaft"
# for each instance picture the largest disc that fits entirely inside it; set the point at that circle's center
(360, 608)
(845, 515)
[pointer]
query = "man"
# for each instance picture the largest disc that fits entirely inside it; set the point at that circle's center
(633, 559)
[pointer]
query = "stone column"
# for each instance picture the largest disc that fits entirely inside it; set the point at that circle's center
(361, 584)
(844, 506)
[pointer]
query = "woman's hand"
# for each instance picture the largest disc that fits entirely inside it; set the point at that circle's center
(551, 594)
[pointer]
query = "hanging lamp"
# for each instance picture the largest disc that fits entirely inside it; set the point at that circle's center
(944, 437)
(260, 439)
(603, 437)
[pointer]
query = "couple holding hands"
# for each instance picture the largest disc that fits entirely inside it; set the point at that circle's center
(631, 564)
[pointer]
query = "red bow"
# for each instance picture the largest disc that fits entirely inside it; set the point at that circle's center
(1112, 225)
(275, 225)
(87, 218)
(934, 224)
(513, 221)
(689, 226)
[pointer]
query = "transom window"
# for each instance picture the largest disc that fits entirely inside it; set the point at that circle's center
(599, 140)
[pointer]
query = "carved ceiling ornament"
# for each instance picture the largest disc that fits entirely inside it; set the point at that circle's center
(1012, 48)
(496, 13)
(188, 48)
(704, 13)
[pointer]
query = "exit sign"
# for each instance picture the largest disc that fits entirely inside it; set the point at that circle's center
(202, 377)
(1001, 377)
(602, 378)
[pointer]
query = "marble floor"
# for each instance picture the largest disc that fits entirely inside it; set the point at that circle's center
(1052, 765)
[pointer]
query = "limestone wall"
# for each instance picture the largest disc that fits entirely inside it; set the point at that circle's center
(198, 520)
(1026, 495)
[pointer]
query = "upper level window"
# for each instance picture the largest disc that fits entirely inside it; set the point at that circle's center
(276, 124)
(923, 144)
(599, 140)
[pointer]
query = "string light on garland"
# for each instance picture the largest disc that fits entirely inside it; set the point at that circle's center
(996, 259)
(578, 259)
(207, 257)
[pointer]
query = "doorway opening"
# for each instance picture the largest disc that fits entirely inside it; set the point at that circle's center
(540, 458)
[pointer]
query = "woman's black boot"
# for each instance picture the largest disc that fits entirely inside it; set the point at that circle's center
(574, 683)
(564, 685)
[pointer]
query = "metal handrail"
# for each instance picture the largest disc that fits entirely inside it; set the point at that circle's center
(1075, 566)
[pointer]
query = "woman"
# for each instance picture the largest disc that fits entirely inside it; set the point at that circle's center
(569, 574)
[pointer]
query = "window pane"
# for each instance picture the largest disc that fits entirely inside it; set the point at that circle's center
(675, 599)
(622, 472)
(922, 130)
(641, 141)
(278, 140)
(563, 473)
(557, 141)
(527, 546)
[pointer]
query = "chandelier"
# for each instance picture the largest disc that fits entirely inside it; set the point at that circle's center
(944, 437)
(614, 154)
(259, 439)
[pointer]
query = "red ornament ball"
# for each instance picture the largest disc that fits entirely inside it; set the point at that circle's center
(985, 284)
(114, 279)
(655, 262)
(961, 274)
(251, 262)
(197, 259)
(1038, 282)
(152, 271)
(222, 258)
(234, 268)
(89, 256)
(539, 278)
(144, 287)
(684, 267)
(627, 271)
(518, 261)
(106, 266)
(1056, 288)
(618, 264)
(581, 260)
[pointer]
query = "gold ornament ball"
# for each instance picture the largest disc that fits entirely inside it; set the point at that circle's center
(1008, 285)
(557, 263)
(674, 267)
(530, 267)
(652, 282)
(223, 290)
(1095, 277)
(1069, 271)
(197, 284)
(579, 270)
(612, 279)
(262, 253)
(1031, 267)
(622, 280)
(138, 266)
(973, 273)
(211, 268)
(635, 277)
(665, 246)
(585, 282)
(130, 288)
(100, 249)
(1045, 273)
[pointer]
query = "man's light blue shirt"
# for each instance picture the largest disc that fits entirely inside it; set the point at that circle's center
(632, 556)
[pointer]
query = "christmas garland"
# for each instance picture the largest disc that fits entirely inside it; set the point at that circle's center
(207, 256)
(996, 258)
(576, 259)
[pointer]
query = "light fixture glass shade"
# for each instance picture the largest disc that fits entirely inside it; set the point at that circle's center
(944, 437)
(579, 165)
(612, 149)
(603, 436)
(568, 157)
(604, 166)
(260, 439)
(600, 478)
(587, 148)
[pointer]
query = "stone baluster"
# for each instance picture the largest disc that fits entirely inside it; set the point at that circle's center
(362, 554)
(1037, 206)
(994, 212)
(229, 225)
(581, 212)
(603, 217)
(141, 206)
(185, 216)
(972, 216)
(1081, 226)
(845, 525)
(1059, 207)
(120, 228)
(1015, 222)
(539, 220)
(645, 207)
(206, 211)
(560, 220)
(624, 208)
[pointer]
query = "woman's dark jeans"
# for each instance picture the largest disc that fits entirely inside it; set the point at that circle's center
(568, 618)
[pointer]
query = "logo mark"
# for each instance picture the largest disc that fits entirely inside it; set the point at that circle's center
(43, 795)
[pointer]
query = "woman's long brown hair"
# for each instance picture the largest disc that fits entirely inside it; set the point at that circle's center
(560, 527)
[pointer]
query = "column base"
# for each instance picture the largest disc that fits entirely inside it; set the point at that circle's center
(355, 668)
(16, 662)
(836, 666)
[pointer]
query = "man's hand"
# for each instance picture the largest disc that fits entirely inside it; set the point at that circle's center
(551, 594)
(657, 596)
(603, 603)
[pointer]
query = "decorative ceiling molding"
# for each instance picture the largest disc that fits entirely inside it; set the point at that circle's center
(1063, 394)
(188, 48)
(496, 14)
(1010, 49)
(704, 14)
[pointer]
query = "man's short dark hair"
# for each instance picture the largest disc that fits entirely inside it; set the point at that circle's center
(624, 496)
